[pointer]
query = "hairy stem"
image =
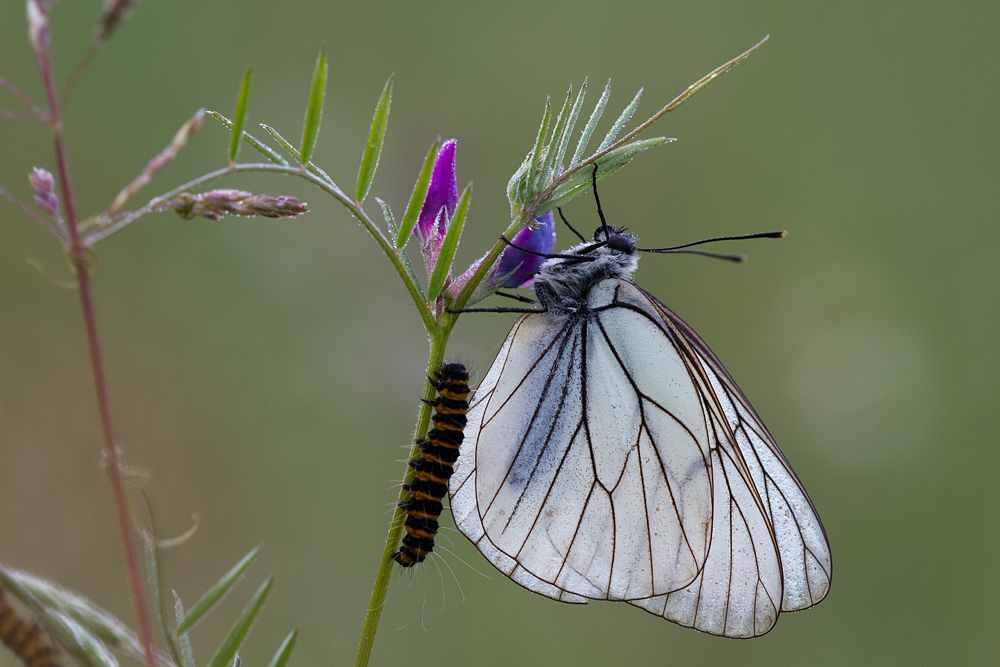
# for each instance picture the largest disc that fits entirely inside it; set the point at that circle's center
(438, 341)
(79, 256)
(161, 202)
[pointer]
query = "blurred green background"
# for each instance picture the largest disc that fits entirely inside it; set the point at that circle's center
(267, 372)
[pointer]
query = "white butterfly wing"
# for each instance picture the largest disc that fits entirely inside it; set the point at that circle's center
(613, 457)
(576, 482)
(759, 504)
(803, 546)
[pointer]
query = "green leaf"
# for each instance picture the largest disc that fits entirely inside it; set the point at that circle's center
(626, 114)
(550, 154)
(285, 650)
(314, 109)
(390, 221)
(218, 591)
(263, 149)
(580, 181)
(443, 264)
(78, 640)
(41, 595)
(313, 169)
(186, 652)
(417, 196)
(567, 130)
(588, 129)
(529, 180)
(231, 644)
(369, 162)
(240, 115)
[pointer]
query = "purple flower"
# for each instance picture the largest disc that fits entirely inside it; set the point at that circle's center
(515, 268)
(439, 204)
(522, 266)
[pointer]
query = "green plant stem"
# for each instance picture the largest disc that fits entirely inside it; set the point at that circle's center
(161, 202)
(439, 335)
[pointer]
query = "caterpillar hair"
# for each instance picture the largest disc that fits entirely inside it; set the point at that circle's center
(24, 640)
(439, 451)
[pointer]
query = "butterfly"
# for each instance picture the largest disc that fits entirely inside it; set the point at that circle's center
(610, 456)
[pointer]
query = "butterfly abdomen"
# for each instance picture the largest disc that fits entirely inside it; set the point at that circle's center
(438, 453)
(23, 639)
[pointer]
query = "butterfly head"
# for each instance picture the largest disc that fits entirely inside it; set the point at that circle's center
(615, 238)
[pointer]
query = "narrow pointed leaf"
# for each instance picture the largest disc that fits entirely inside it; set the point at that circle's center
(231, 644)
(313, 169)
(536, 152)
(80, 642)
(254, 143)
(186, 652)
(153, 581)
(285, 650)
(390, 221)
(550, 154)
(580, 181)
(240, 116)
(218, 591)
(369, 162)
(626, 114)
(417, 196)
(448, 247)
(588, 129)
(314, 109)
(567, 130)
(41, 594)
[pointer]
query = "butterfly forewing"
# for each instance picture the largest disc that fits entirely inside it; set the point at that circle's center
(607, 498)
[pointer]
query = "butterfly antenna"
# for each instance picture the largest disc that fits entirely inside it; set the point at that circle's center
(571, 228)
(735, 258)
(597, 198)
(575, 258)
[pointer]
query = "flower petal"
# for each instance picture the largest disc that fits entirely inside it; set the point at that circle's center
(540, 240)
(442, 193)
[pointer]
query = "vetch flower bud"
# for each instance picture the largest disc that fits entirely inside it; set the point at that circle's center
(43, 185)
(213, 204)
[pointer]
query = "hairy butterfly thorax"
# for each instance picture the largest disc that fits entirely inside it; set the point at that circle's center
(562, 283)
(611, 456)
